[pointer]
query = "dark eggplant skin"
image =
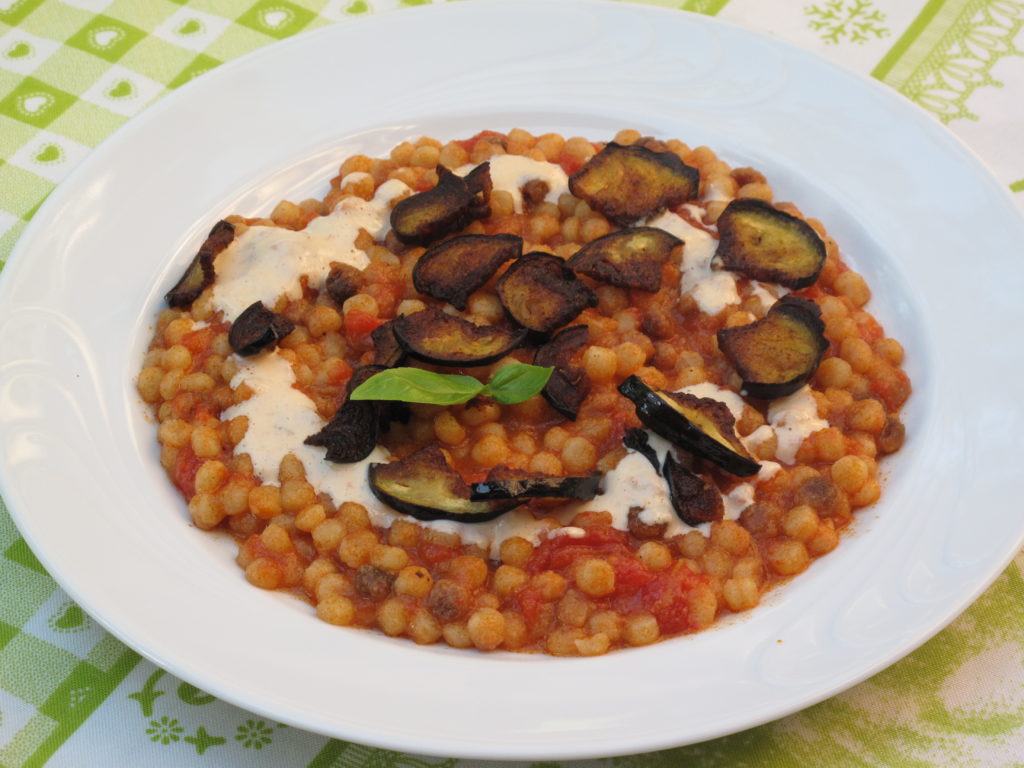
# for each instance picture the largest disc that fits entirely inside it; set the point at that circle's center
(694, 500)
(568, 386)
(447, 207)
(627, 183)
(352, 434)
(579, 487)
(628, 258)
(760, 242)
(387, 352)
(541, 293)
(424, 486)
(453, 269)
(343, 282)
(258, 329)
(636, 440)
(442, 339)
(200, 274)
(658, 413)
(779, 353)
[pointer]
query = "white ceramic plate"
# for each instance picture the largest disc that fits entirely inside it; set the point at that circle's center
(937, 238)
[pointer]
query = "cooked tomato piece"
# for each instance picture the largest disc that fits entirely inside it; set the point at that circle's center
(185, 469)
(630, 575)
(359, 325)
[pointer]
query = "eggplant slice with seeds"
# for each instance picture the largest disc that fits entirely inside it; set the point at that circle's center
(694, 499)
(455, 268)
(627, 183)
(257, 329)
(701, 425)
(449, 206)
(199, 274)
(760, 242)
(444, 339)
(423, 485)
(779, 353)
(541, 293)
(629, 258)
(505, 483)
(568, 385)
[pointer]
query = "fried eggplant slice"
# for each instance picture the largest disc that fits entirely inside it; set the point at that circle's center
(423, 485)
(541, 293)
(629, 258)
(343, 282)
(352, 434)
(505, 483)
(636, 440)
(700, 425)
(627, 183)
(199, 274)
(455, 268)
(449, 206)
(387, 410)
(387, 352)
(257, 329)
(568, 385)
(443, 339)
(779, 353)
(694, 500)
(760, 242)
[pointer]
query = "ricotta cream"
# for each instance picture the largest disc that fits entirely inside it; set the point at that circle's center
(793, 419)
(510, 172)
(266, 262)
(713, 290)
(280, 418)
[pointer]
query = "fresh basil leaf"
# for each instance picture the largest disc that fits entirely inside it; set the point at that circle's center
(517, 382)
(415, 385)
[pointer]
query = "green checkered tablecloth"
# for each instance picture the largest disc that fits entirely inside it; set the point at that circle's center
(73, 71)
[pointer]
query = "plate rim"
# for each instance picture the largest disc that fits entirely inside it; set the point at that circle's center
(152, 114)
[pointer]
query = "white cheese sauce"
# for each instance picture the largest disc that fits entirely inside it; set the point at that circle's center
(266, 262)
(510, 172)
(712, 290)
(636, 483)
(280, 418)
(767, 297)
(793, 419)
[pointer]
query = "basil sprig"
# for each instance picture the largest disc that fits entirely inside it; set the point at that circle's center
(510, 384)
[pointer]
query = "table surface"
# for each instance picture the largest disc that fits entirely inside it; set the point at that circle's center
(73, 71)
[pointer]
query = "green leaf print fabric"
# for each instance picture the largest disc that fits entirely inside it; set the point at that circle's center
(73, 71)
